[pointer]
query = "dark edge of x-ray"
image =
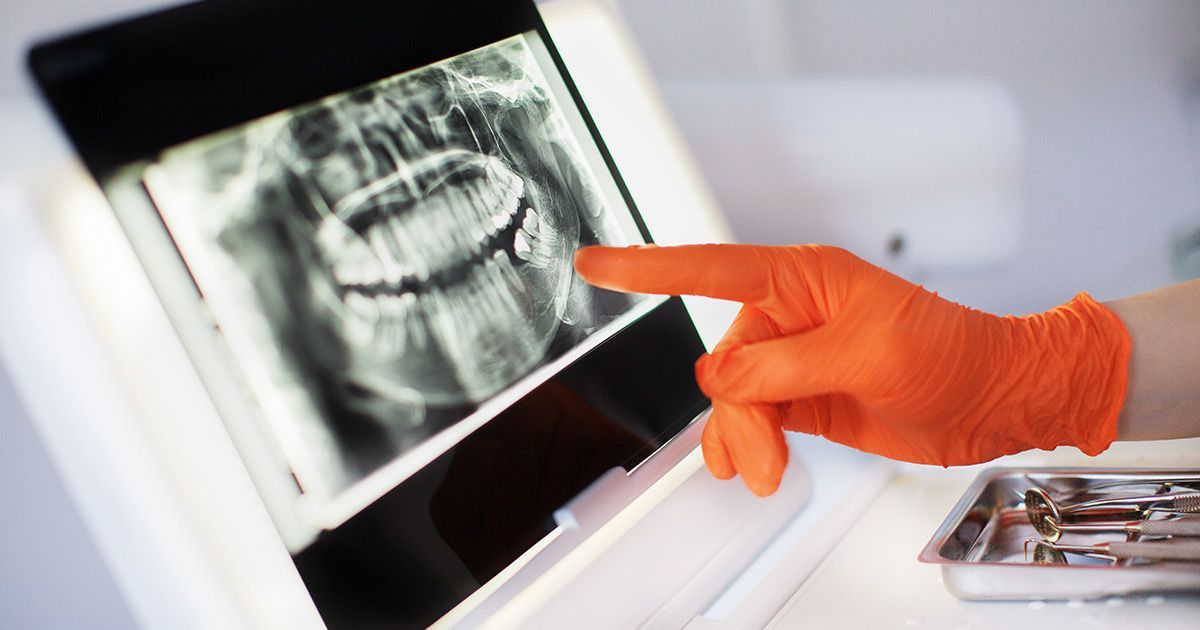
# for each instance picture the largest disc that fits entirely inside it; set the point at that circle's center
(408, 244)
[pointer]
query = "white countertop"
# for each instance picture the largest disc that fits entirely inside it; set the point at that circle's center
(872, 579)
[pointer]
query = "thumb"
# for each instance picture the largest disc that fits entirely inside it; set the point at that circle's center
(786, 368)
(716, 456)
(754, 441)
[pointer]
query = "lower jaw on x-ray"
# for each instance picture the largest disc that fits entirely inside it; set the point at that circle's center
(389, 259)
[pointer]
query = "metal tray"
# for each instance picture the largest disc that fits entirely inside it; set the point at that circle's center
(981, 544)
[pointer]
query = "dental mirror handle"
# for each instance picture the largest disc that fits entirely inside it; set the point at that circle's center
(1181, 502)
(1189, 527)
(1189, 551)
(1179, 527)
(1190, 483)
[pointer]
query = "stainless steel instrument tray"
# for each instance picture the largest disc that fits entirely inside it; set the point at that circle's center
(981, 544)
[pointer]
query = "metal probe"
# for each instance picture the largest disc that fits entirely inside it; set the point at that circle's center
(1182, 551)
(1189, 527)
(1182, 502)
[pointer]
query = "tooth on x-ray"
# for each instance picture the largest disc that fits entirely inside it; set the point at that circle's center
(406, 247)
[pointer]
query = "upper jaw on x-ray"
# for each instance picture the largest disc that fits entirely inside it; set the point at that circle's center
(410, 243)
(450, 260)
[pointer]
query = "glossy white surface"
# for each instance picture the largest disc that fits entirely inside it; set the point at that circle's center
(845, 483)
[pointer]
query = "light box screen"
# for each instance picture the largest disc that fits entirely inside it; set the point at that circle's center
(390, 260)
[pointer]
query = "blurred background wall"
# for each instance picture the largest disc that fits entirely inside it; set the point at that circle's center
(1107, 91)
(1091, 106)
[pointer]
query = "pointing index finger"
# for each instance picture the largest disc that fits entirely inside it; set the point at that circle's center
(739, 273)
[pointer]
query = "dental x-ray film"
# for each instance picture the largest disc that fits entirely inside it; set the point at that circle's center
(392, 265)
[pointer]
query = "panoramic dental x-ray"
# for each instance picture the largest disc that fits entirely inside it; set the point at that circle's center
(396, 255)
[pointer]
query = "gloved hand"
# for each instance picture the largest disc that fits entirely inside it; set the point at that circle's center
(831, 345)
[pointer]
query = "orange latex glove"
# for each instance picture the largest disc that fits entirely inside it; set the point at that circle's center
(832, 345)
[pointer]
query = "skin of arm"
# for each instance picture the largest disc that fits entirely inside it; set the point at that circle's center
(1162, 398)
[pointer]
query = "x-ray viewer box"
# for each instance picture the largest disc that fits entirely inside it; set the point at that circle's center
(365, 248)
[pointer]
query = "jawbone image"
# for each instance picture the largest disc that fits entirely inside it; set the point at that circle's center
(398, 254)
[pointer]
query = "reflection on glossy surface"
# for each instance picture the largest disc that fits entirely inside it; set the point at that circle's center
(425, 546)
(488, 500)
(506, 476)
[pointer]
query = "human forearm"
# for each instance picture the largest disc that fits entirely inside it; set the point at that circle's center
(1162, 400)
